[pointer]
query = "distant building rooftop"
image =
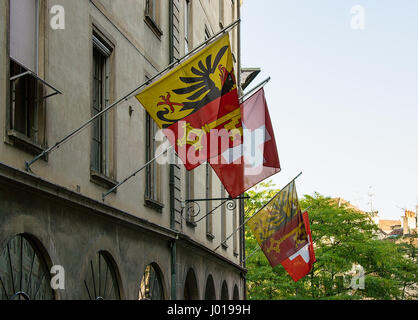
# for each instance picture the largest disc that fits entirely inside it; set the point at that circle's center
(388, 226)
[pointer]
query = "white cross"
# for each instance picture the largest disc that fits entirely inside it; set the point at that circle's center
(253, 157)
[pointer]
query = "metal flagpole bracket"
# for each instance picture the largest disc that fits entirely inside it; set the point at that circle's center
(192, 206)
(257, 87)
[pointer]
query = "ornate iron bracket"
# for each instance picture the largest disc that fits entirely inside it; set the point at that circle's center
(192, 206)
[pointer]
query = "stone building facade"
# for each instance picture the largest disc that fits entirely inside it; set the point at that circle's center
(63, 62)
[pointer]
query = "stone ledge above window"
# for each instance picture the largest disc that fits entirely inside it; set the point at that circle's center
(21, 141)
(154, 204)
(153, 26)
(102, 180)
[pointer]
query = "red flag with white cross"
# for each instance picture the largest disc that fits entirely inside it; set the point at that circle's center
(300, 264)
(256, 158)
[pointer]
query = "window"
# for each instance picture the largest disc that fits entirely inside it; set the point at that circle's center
(187, 26)
(26, 112)
(207, 33)
(234, 32)
(224, 292)
(152, 10)
(153, 171)
(101, 282)
(223, 219)
(27, 118)
(235, 226)
(151, 287)
(24, 274)
(102, 128)
(190, 196)
(152, 16)
(208, 194)
(221, 14)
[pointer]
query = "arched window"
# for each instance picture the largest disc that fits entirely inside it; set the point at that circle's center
(151, 287)
(224, 292)
(102, 282)
(191, 291)
(210, 289)
(236, 293)
(24, 274)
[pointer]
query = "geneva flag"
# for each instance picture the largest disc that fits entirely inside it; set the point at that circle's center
(255, 159)
(279, 227)
(197, 104)
(300, 264)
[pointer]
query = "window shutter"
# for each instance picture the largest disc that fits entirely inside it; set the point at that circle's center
(24, 33)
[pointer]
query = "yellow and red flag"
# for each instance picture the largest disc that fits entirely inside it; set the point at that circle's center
(197, 104)
(279, 227)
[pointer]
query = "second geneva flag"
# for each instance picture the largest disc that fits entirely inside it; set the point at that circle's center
(279, 227)
(196, 99)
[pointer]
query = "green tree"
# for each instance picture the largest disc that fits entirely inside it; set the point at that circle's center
(343, 237)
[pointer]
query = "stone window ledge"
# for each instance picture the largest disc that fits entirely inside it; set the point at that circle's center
(19, 140)
(210, 236)
(153, 26)
(102, 180)
(154, 204)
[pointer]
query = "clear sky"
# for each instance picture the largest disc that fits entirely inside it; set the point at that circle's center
(344, 102)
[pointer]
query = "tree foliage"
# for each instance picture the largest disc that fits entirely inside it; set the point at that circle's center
(343, 239)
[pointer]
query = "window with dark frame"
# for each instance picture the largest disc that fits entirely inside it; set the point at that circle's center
(26, 105)
(223, 219)
(189, 192)
(207, 33)
(187, 25)
(100, 154)
(151, 287)
(153, 171)
(152, 16)
(151, 9)
(234, 227)
(152, 190)
(26, 112)
(221, 14)
(209, 207)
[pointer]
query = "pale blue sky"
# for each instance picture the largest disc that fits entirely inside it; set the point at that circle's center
(344, 102)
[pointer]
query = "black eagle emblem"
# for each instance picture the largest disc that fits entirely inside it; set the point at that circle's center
(201, 85)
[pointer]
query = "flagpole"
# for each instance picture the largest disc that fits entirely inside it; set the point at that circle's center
(105, 194)
(252, 253)
(259, 86)
(28, 164)
(258, 211)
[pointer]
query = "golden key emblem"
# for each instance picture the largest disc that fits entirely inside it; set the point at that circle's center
(193, 136)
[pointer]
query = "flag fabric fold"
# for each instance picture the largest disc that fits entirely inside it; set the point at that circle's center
(195, 101)
(300, 264)
(256, 158)
(279, 227)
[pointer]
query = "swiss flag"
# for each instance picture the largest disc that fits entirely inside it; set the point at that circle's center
(300, 264)
(255, 159)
